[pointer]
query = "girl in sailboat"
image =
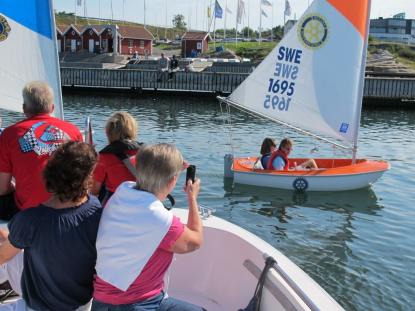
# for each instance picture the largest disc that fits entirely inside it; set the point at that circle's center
(267, 148)
(279, 158)
(113, 167)
(58, 237)
(137, 236)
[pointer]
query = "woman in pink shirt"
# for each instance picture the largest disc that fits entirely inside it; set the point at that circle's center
(137, 236)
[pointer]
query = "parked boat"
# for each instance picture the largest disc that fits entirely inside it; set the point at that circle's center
(312, 82)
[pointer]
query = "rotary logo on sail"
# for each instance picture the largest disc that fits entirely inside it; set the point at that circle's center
(313, 31)
(4, 28)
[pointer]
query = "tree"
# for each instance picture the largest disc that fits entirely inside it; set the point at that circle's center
(246, 31)
(178, 22)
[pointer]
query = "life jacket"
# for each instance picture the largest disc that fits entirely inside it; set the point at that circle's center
(274, 155)
(119, 148)
(265, 164)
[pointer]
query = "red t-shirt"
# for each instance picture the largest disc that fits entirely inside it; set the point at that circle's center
(112, 170)
(24, 150)
(150, 281)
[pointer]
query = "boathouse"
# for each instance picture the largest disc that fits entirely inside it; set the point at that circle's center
(60, 30)
(135, 39)
(72, 39)
(91, 39)
(194, 43)
(105, 39)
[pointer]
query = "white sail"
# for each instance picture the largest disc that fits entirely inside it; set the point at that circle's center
(27, 50)
(311, 79)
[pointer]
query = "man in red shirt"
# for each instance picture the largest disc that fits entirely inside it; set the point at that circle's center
(25, 148)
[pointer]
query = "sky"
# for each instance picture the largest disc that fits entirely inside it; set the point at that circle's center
(195, 11)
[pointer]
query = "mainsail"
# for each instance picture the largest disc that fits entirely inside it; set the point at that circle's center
(313, 78)
(27, 50)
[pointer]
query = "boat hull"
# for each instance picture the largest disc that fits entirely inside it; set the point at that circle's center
(223, 273)
(332, 175)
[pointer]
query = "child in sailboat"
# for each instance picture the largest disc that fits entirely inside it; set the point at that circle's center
(279, 158)
(58, 237)
(137, 236)
(267, 148)
(113, 166)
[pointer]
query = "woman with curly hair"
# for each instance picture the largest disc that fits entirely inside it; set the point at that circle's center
(58, 237)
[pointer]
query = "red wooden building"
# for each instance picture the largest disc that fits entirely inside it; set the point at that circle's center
(72, 39)
(105, 39)
(135, 39)
(91, 39)
(194, 43)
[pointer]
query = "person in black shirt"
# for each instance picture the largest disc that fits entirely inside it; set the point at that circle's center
(58, 236)
(174, 66)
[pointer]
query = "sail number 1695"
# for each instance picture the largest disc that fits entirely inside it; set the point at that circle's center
(276, 102)
(277, 86)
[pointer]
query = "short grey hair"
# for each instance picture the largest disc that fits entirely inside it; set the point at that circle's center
(38, 97)
(156, 166)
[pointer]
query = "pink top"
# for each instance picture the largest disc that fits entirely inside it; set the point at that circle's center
(150, 281)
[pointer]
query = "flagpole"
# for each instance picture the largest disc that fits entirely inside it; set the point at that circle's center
(272, 23)
(145, 26)
(224, 28)
(165, 26)
(236, 28)
(214, 32)
(260, 21)
(247, 1)
(99, 11)
(76, 4)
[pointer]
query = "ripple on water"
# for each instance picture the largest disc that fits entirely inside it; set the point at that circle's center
(358, 245)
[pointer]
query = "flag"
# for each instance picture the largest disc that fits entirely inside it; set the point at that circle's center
(218, 10)
(228, 11)
(27, 26)
(209, 12)
(241, 11)
(266, 3)
(79, 2)
(263, 13)
(287, 11)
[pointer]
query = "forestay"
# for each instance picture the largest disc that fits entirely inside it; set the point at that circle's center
(27, 50)
(312, 79)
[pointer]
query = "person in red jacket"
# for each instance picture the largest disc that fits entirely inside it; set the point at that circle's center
(112, 169)
(279, 158)
(25, 148)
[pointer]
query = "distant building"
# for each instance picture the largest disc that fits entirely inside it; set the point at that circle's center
(194, 43)
(396, 29)
(120, 39)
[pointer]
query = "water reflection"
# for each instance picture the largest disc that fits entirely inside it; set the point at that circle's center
(355, 201)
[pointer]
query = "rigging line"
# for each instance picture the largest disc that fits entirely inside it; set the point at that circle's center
(228, 109)
(258, 114)
(226, 125)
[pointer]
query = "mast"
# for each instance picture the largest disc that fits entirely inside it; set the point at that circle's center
(59, 105)
(361, 83)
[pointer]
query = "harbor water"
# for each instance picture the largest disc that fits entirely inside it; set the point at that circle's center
(358, 245)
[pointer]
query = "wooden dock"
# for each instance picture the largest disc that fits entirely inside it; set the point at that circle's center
(388, 88)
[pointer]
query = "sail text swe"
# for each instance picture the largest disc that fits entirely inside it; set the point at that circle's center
(281, 86)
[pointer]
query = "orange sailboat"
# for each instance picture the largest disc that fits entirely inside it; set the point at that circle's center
(312, 82)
